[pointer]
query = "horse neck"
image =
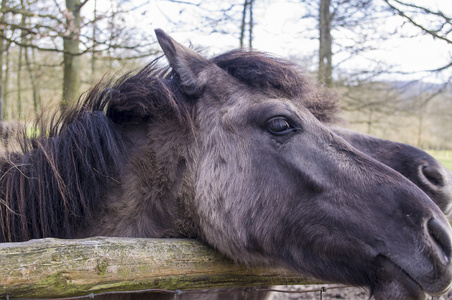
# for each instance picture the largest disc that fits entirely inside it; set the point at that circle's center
(52, 190)
(150, 200)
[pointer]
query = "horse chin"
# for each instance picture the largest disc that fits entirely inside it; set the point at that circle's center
(393, 282)
(399, 290)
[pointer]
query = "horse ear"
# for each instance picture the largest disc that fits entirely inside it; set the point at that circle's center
(188, 64)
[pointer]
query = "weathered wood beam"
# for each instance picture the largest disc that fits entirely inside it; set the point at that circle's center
(66, 268)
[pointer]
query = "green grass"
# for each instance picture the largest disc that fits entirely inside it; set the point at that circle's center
(444, 156)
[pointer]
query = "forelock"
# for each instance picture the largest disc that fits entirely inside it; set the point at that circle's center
(274, 75)
(262, 71)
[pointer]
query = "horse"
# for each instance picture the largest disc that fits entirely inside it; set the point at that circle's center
(240, 152)
(416, 165)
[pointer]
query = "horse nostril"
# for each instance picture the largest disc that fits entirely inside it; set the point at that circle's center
(441, 238)
(432, 175)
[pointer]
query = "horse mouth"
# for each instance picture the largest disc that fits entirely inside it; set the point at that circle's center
(393, 282)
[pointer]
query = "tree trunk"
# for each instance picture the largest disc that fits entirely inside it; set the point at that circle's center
(370, 121)
(49, 268)
(19, 84)
(93, 56)
(2, 51)
(23, 38)
(34, 84)
(420, 127)
(6, 81)
(247, 9)
(71, 59)
(325, 46)
(243, 25)
(251, 24)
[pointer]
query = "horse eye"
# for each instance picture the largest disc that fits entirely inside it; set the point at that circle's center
(279, 126)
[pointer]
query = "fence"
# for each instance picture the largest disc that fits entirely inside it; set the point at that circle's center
(53, 268)
(82, 269)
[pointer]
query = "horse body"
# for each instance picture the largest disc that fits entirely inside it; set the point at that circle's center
(237, 151)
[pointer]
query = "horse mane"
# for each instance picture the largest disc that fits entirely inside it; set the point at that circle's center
(272, 74)
(52, 186)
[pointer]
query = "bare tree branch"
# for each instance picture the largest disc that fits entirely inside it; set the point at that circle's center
(82, 4)
(434, 33)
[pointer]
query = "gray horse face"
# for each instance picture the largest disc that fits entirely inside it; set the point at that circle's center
(416, 165)
(273, 185)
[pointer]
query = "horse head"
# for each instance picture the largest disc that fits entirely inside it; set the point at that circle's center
(274, 185)
(416, 165)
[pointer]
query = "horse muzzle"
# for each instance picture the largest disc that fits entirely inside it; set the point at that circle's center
(428, 272)
(436, 181)
(439, 280)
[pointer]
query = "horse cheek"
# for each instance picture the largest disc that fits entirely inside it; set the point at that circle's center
(217, 203)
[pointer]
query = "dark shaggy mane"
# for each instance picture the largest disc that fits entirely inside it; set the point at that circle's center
(262, 71)
(52, 189)
(59, 178)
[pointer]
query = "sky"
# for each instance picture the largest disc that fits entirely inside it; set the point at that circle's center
(279, 30)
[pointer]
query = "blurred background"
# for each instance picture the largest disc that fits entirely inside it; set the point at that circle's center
(389, 61)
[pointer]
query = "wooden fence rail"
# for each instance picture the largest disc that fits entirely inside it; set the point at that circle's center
(66, 268)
